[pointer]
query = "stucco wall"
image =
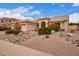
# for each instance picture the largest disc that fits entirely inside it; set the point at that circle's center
(26, 26)
(31, 27)
(66, 25)
(72, 27)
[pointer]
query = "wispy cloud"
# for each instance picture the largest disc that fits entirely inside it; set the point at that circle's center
(19, 13)
(35, 12)
(62, 5)
(75, 5)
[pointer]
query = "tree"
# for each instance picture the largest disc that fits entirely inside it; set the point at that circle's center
(17, 26)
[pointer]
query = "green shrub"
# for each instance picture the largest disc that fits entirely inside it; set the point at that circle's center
(16, 31)
(9, 31)
(54, 26)
(44, 31)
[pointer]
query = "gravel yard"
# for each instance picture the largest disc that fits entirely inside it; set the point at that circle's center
(54, 45)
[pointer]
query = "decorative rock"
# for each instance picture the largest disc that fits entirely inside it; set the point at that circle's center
(53, 31)
(77, 45)
(6, 39)
(20, 33)
(69, 34)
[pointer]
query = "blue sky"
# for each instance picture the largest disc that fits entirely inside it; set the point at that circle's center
(37, 10)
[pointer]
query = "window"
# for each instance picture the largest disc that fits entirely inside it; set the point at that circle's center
(9, 20)
(1, 21)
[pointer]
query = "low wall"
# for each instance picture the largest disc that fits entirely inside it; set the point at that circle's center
(72, 27)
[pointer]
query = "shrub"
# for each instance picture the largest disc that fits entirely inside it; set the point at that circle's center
(73, 23)
(44, 31)
(54, 26)
(9, 31)
(16, 31)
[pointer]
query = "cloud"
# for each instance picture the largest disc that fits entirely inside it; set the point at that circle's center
(19, 12)
(75, 5)
(35, 12)
(74, 17)
(62, 5)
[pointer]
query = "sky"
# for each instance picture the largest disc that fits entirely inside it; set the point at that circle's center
(38, 10)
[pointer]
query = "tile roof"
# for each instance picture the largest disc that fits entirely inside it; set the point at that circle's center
(59, 18)
(55, 18)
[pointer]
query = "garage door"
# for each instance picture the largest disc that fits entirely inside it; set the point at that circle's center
(23, 28)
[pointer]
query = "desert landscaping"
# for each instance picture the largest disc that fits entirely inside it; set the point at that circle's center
(56, 44)
(39, 29)
(52, 36)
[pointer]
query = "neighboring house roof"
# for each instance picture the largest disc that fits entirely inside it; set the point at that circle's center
(10, 18)
(43, 18)
(26, 21)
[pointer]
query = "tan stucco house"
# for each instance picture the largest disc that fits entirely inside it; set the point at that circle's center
(27, 25)
(63, 21)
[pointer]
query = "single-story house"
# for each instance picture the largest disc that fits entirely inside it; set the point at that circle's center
(27, 25)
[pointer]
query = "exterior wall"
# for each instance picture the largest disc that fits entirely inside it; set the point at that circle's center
(72, 27)
(43, 20)
(12, 26)
(31, 27)
(25, 26)
(65, 25)
(59, 18)
(6, 22)
(77, 27)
